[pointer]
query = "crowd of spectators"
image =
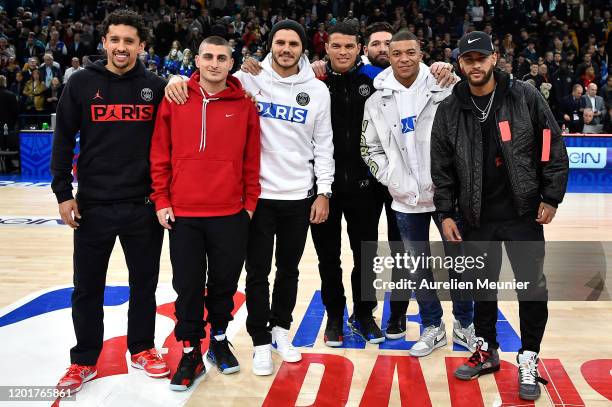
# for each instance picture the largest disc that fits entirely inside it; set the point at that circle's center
(560, 46)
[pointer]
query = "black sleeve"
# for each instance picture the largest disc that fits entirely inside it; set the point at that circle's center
(442, 166)
(554, 163)
(68, 123)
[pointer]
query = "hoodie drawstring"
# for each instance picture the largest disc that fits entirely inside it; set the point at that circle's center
(205, 103)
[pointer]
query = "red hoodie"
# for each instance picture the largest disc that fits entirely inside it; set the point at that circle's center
(205, 153)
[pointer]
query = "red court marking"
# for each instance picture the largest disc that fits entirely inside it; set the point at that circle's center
(560, 388)
(507, 385)
(504, 128)
(462, 393)
(546, 145)
(334, 388)
(413, 389)
(598, 374)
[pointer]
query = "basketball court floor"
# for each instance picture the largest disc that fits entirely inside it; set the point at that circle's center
(36, 331)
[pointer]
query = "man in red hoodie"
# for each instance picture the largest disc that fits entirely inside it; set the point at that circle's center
(205, 171)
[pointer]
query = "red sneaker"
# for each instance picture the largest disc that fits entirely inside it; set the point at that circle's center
(75, 376)
(151, 362)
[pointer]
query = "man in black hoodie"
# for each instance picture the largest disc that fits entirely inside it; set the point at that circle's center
(497, 154)
(112, 103)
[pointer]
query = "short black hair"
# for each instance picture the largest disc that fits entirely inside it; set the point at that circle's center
(215, 40)
(344, 28)
(376, 28)
(126, 17)
(405, 36)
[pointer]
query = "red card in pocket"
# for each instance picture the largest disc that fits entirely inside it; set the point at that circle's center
(504, 128)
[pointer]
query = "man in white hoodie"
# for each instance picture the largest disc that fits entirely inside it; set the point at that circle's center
(395, 144)
(296, 146)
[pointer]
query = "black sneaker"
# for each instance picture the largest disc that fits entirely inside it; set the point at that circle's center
(333, 332)
(528, 377)
(483, 361)
(220, 354)
(190, 368)
(396, 327)
(366, 328)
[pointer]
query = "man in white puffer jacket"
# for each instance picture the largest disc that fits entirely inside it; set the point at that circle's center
(395, 144)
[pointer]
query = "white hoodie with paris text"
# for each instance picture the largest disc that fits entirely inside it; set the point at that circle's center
(296, 131)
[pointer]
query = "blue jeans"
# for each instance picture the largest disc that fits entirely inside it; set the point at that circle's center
(414, 230)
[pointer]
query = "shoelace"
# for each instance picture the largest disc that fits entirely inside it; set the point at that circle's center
(479, 356)
(152, 356)
(528, 373)
(75, 369)
(261, 354)
(282, 339)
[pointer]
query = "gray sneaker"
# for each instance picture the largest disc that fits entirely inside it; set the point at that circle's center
(482, 361)
(528, 378)
(465, 337)
(432, 337)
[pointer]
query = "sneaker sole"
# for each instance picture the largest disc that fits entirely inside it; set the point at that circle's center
(182, 387)
(154, 375)
(530, 398)
(290, 360)
(333, 344)
(373, 341)
(422, 353)
(395, 336)
(257, 372)
(476, 376)
(227, 370)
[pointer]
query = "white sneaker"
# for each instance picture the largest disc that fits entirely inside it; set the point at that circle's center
(432, 337)
(282, 345)
(262, 360)
(465, 337)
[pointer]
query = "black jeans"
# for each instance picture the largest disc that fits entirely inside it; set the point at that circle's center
(287, 221)
(196, 244)
(527, 261)
(361, 213)
(141, 238)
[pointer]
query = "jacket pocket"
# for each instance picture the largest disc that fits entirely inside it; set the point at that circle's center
(198, 182)
(402, 185)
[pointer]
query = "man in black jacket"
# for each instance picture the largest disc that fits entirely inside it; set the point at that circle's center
(497, 154)
(112, 103)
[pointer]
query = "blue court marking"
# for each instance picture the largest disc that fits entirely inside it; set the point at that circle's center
(306, 335)
(60, 299)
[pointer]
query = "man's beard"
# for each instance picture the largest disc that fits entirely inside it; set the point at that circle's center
(380, 64)
(486, 77)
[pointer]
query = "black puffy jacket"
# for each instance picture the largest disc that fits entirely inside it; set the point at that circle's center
(534, 153)
(348, 92)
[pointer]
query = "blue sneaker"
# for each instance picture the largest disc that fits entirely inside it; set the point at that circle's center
(366, 328)
(219, 354)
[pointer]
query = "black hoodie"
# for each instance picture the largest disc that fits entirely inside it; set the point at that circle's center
(115, 115)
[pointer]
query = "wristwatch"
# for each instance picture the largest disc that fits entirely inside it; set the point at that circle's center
(327, 195)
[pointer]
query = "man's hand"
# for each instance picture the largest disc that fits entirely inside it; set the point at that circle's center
(319, 210)
(319, 68)
(69, 211)
(450, 230)
(567, 118)
(251, 65)
(250, 214)
(176, 90)
(163, 215)
(443, 72)
(546, 213)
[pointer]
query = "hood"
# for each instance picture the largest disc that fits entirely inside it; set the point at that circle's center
(386, 79)
(462, 90)
(234, 88)
(305, 71)
(100, 67)
(233, 91)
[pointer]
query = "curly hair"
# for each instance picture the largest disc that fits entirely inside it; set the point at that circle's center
(126, 17)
